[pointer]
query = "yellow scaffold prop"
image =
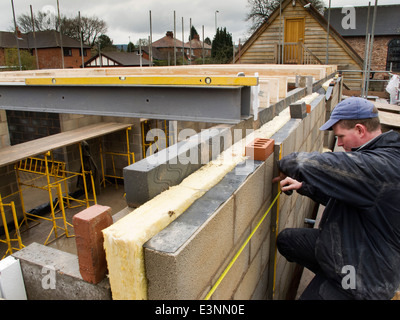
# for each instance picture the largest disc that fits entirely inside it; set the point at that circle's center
(56, 170)
(128, 154)
(8, 239)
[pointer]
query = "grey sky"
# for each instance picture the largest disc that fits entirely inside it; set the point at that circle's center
(129, 19)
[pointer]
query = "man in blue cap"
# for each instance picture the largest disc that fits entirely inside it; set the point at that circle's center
(355, 251)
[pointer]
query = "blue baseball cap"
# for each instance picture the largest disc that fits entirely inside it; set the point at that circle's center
(351, 109)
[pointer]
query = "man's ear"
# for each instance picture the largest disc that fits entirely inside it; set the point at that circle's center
(360, 129)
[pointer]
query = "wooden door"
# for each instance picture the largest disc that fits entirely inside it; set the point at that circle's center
(294, 37)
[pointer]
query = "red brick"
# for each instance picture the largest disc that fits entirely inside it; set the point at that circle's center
(88, 225)
(260, 149)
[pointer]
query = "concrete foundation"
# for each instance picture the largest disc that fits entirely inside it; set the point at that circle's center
(51, 274)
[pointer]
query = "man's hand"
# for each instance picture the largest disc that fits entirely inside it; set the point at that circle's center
(287, 183)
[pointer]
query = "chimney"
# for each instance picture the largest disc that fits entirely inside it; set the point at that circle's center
(170, 34)
(196, 37)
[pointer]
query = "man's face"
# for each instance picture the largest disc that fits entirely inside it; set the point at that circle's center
(347, 138)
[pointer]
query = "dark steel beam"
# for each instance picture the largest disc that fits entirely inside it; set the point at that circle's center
(219, 104)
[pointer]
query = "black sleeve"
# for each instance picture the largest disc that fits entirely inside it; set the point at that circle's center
(345, 176)
(311, 192)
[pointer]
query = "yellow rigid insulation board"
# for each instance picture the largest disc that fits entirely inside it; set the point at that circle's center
(123, 241)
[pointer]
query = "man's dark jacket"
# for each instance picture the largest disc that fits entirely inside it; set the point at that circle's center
(360, 226)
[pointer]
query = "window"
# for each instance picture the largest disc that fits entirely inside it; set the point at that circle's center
(84, 52)
(393, 56)
(67, 52)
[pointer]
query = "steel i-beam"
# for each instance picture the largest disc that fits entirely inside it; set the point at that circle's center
(200, 101)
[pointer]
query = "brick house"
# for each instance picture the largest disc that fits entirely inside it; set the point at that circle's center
(197, 48)
(117, 59)
(48, 44)
(386, 48)
(163, 49)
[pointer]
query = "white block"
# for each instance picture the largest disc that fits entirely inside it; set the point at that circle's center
(11, 282)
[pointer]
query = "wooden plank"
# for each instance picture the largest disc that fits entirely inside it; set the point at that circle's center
(272, 88)
(387, 107)
(389, 119)
(13, 154)
(318, 71)
(283, 84)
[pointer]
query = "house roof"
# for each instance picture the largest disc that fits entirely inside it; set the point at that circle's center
(316, 15)
(162, 55)
(168, 42)
(44, 39)
(387, 20)
(7, 40)
(122, 58)
(195, 43)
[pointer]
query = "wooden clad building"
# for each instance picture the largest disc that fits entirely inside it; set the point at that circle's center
(304, 33)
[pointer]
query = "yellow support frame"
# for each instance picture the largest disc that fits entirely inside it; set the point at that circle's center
(226, 81)
(149, 144)
(9, 240)
(128, 155)
(58, 172)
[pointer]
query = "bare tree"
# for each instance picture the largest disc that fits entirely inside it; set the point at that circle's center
(92, 27)
(260, 11)
(43, 21)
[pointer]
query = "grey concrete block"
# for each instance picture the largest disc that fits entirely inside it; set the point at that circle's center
(149, 177)
(286, 136)
(179, 261)
(249, 198)
(298, 110)
(170, 239)
(185, 273)
(51, 274)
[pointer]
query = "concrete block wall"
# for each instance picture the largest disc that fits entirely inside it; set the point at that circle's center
(300, 136)
(51, 274)
(4, 135)
(116, 142)
(151, 176)
(26, 126)
(188, 269)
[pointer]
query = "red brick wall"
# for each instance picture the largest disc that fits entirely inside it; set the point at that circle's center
(2, 62)
(379, 52)
(51, 58)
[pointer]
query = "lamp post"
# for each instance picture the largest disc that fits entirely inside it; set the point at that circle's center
(16, 36)
(216, 20)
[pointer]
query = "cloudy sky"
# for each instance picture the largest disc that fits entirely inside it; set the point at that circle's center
(129, 19)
